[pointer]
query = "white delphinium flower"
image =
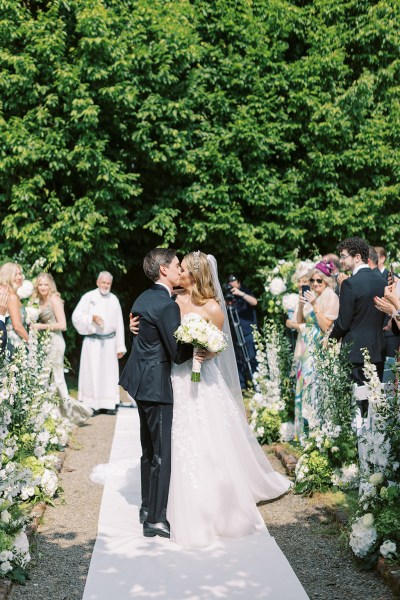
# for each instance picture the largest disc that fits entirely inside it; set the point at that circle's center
(387, 548)
(32, 314)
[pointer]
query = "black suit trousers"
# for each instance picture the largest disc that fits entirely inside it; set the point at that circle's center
(155, 437)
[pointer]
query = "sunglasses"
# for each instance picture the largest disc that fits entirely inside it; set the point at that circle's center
(312, 280)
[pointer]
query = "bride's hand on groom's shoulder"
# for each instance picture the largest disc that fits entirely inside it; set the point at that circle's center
(133, 324)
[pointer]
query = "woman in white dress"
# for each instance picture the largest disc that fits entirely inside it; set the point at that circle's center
(218, 470)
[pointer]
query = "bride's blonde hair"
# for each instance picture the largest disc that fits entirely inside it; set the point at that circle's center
(199, 269)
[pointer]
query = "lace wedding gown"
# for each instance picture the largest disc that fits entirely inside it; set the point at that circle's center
(218, 470)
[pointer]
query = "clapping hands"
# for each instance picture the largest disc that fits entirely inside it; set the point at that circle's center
(390, 303)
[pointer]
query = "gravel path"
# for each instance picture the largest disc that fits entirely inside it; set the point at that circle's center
(64, 543)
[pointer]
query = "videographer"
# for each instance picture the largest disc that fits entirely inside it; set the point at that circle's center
(241, 299)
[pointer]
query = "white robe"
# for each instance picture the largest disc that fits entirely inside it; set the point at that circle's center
(98, 372)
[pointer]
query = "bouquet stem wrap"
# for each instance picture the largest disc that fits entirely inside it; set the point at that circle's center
(196, 367)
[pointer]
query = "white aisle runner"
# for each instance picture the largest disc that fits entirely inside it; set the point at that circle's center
(126, 565)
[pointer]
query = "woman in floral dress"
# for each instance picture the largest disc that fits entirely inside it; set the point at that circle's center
(317, 309)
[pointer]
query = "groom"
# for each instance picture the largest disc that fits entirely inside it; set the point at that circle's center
(147, 379)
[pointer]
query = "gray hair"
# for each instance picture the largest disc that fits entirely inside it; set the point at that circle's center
(105, 274)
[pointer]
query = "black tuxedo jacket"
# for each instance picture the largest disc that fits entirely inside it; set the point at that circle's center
(3, 337)
(147, 374)
(359, 323)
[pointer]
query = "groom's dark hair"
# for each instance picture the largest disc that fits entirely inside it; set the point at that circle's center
(154, 259)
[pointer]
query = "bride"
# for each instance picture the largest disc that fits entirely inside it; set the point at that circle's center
(218, 470)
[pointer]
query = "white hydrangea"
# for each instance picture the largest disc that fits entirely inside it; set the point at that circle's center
(5, 516)
(277, 286)
(387, 548)
(376, 478)
(286, 432)
(5, 567)
(362, 537)
(25, 290)
(49, 482)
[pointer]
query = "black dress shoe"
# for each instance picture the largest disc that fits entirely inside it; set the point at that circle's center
(152, 529)
(143, 514)
(111, 411)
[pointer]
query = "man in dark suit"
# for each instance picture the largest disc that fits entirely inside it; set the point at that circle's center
(147, 379)
(4, 297)
(359, 323)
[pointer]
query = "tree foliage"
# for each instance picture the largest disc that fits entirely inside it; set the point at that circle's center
(244, 127)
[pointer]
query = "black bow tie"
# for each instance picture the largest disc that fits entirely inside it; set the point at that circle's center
(173, 297)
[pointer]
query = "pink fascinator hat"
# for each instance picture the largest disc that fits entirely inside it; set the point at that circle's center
(326, 267)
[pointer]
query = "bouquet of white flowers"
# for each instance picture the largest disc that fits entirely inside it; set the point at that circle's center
(202, 334)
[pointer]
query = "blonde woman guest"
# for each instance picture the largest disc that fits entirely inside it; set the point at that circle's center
(52, 318)
(11, 275)
(318, 308)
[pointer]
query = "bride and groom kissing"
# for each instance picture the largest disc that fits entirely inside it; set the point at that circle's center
(202, 470)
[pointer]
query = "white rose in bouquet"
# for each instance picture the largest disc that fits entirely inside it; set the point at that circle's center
(202, 334)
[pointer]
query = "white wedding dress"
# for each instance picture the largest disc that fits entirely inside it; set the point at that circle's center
(218, 470)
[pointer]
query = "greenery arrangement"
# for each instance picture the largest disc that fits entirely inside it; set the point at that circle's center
(330, 456)
(125, 125)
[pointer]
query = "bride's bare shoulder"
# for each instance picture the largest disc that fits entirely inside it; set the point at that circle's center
(214, 312)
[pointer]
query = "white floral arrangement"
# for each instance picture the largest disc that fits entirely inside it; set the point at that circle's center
(25, 290)
(290, 302)
(276, 286)
(379, 489)
(201, 333)
(31, 427)
(388, 549)
(363, 535)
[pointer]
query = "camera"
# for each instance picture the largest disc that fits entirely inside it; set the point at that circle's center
(227, 291)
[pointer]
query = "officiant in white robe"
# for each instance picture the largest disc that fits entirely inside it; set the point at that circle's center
(98, 317)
